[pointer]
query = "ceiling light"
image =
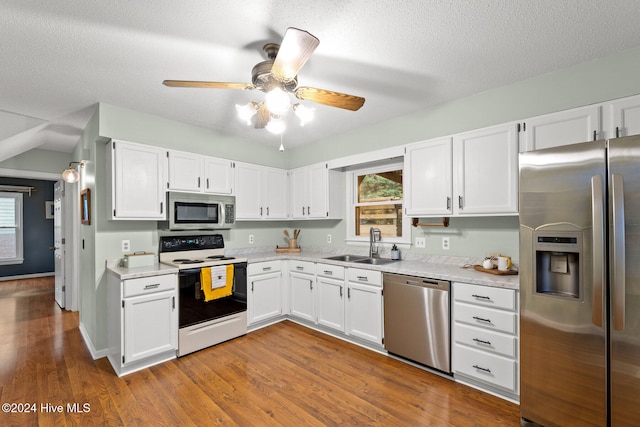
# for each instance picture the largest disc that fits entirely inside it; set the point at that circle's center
(245, 112)
(276, 125)
(70, 174)
(277, 101)
(305, 114)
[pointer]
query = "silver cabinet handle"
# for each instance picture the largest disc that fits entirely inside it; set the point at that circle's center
(173, 303)
(482, 369)
(482, 319)
(308, 210)
(152, 286)
(298, 267)
(363, 278)
(618, 252)
(448, 203)
(207, 183)
(251, 286)
(340, 291)
(311, 284)
(303, 210)
(198, 182)
(478, 340)
(266, 268)
(328, 272)
(597, 229)
(267, 210)
(260, 210)
(460, 202)
(481, 296)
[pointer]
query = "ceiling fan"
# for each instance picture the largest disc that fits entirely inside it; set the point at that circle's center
(278, 76)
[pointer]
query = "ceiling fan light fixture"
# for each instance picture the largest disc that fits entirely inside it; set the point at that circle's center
(304, 113)
(276, 125)
(277, 101)
(247, 111)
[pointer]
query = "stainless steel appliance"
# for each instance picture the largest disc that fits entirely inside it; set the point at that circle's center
(203, 324)
(417, 320)
(195, 211)
(580, 284)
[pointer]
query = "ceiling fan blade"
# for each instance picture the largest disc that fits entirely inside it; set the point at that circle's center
(262, 117)
(332, 99)
(210, 85)
(295, 50)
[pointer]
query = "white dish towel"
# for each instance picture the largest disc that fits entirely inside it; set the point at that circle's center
(218, 277)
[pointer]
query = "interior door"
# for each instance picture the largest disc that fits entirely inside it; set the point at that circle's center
(58, 242)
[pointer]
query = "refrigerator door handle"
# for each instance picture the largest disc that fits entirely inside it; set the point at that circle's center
(597, 228)
(618, 252)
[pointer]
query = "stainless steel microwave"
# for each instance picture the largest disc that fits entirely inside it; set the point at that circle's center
(190, 211)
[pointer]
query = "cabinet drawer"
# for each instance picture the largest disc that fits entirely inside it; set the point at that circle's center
(485, 295)
(485, 367)
(302, 267)
(327, 270)
(482, 339)
(360, 275)
(263, 267)
(487, 318)
(148, 285)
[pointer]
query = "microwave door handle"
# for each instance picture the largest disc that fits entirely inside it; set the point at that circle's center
(597, 228)
(618, 252)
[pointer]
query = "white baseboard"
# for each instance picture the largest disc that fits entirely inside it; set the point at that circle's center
(95, 354)
(27, 276)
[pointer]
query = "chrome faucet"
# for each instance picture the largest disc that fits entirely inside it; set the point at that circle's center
(374, 236)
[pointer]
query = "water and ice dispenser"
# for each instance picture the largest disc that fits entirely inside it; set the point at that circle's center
(558, 264)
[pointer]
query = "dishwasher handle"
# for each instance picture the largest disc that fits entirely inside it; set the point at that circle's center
(428, 283)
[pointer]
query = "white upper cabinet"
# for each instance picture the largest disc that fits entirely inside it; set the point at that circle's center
(196, 173)
(562, 128)
(623, 117)
(485, 176)
(136, 180)
(428, 178)
(317, 192)
(261, 192)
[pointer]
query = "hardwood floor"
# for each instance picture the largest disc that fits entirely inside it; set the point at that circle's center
(284, 374)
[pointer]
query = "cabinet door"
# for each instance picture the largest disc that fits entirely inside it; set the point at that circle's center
(317, 191)
(364, 312)
(302, 291)
(486, 176)
(185, 171)
(428, 178)
(264, 299)
(624, 117)
(150, 325)
(138, 174)
(275, 193)
(330, 301)
(562, 128)
(298, 181)
(218, 176)
(248, 191)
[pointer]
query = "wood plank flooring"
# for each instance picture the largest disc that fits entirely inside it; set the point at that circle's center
(284, 374)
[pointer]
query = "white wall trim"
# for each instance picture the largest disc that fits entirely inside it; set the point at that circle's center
(27, 276)
(95, 353)
(369, 157)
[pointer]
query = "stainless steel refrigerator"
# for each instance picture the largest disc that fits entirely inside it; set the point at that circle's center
(580, 284)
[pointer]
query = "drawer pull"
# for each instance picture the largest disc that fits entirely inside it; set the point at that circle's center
(152, 286)
(478, 340)
(266, 268)
(328, 272)
(299, 268)
(480, 368)
(481, 296)
(481, 319)
(363, 278)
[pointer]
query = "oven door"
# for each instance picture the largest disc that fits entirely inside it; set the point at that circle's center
(193, 308)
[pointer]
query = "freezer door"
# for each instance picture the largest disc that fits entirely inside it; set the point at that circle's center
(624, 270)
(562, 331)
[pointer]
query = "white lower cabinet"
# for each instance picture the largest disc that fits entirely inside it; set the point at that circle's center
(364, 305)
(330, 296)
(485, 338)
(143, 321)
(302, 283)
(264, 301)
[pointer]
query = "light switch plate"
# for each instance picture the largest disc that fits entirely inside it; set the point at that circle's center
(421, 242)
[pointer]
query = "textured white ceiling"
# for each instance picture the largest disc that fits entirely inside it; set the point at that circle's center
(59, 58)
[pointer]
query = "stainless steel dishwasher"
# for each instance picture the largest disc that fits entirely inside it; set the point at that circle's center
(417, 320)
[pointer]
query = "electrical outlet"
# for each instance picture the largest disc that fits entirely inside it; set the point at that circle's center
(445, 243)
(251, 239)
(421, 242)
(126, 246)
(328, 238)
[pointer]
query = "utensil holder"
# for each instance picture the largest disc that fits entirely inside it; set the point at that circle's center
(293, 243)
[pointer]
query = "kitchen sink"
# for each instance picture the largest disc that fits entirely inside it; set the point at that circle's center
(375, 261)
(347, 258)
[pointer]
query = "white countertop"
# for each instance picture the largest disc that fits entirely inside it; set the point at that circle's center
(444, 268)
(137, 272)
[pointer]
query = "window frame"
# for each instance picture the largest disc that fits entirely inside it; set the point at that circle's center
(19, 205)
(352, 202)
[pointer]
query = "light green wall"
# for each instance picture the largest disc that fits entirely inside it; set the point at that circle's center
(39, 160)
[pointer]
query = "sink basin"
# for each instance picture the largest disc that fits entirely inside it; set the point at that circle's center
(375, 261)
(347, 258)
